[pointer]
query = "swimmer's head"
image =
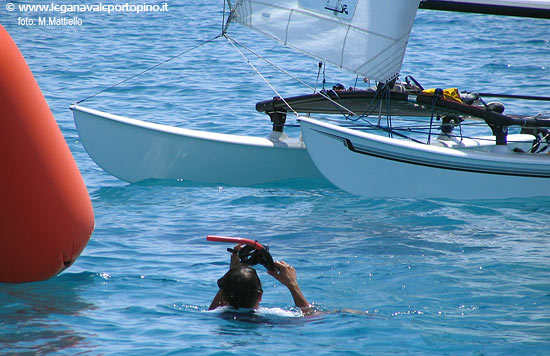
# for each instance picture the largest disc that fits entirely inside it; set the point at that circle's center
(241, 287)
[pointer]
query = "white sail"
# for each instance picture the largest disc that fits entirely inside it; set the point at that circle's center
(367, 37)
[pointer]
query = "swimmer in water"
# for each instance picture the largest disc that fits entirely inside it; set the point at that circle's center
(240, 287)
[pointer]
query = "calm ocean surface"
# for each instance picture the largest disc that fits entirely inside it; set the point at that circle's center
(436, 277)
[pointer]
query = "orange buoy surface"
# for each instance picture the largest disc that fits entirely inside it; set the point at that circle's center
(46, 216)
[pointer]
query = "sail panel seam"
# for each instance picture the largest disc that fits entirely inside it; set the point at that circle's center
(288, 26)
(344, 47)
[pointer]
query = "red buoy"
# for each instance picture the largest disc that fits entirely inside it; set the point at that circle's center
(46, 216)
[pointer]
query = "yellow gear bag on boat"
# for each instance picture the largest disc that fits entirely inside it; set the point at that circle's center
(449, 93)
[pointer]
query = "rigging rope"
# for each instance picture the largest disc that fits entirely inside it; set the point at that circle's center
(232, 42)
(321, 93)
(151, 68)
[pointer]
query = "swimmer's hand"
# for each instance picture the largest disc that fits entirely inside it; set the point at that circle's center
(286, 274)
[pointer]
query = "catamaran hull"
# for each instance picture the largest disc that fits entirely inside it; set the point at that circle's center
(375, 166)
(134, 150)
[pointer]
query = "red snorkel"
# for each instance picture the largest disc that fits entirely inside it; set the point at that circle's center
(251, 254)
(235, 240)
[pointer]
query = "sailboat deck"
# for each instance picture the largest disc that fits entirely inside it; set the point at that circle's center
(371, 102)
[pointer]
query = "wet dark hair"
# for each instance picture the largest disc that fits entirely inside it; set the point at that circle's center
(241, 287)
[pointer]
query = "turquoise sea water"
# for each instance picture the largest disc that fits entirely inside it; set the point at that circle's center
(431, 277)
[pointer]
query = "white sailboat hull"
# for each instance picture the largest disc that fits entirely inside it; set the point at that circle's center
(134, 150)
(375, 166)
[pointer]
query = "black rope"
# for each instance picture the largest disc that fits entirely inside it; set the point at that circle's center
(385, 94)
(370, 107)
(460, 129)
(324, 76)
(388, 111)
(435, 99)
(318, 74)
(151, 68)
